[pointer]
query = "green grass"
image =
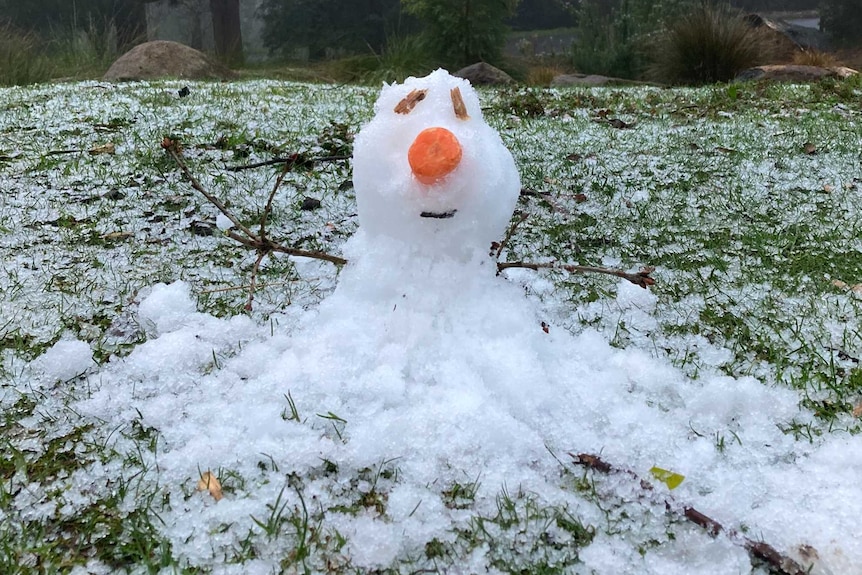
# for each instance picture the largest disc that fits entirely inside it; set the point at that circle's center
(711, 186)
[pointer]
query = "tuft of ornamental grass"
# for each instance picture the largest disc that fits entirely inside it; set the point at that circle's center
(21, 59)
(542, 75)
(815, 58)
(709, 44)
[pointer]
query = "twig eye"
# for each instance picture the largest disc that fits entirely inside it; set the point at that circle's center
(458, 104)
(409, 102)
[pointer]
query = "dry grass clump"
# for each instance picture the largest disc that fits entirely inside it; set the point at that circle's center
(709, 44)
(21, 58)
(815, 58)
(542, 75)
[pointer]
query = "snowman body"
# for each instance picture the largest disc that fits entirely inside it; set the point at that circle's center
(458, 213)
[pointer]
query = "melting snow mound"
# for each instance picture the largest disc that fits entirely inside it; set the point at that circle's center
(425, 373)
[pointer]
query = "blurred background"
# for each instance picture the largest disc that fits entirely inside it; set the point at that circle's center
(373, 40)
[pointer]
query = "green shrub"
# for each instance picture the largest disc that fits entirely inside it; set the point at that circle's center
(611, 33)
(462, 32)
(402, 57)
(709, 44)
(21, 59)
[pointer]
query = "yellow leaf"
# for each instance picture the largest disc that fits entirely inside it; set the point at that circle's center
(210, 482)
(669, 478)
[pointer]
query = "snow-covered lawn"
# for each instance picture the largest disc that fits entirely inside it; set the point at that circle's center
(435, 434)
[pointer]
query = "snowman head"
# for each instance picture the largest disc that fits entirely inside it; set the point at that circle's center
(430, 172)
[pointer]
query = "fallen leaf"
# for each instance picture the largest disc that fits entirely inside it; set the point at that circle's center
(580, 198)
(209, 482)
(117, 236)
(809, 148)
(546, 328)
(108, 148)
(839, 284)
(857, 410)
(669, 478)
(827, 188)
(574, 157)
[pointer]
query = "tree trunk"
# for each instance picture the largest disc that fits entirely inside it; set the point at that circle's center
(227, 33)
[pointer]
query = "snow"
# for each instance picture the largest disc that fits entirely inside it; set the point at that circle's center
(66, 359)
(425, 364)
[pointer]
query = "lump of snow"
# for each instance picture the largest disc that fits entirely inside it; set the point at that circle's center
(167, 307)
(65, 359)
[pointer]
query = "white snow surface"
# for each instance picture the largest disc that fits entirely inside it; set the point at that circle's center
(443, 369)
(428, 363)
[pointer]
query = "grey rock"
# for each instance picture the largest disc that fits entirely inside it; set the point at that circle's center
(165, 59)
(483, 74)
(795, 73)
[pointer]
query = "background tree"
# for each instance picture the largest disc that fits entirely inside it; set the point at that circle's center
(842, 21)
(325, 27)
(227, 31)
(125, 20)
(542, 15)
(462, 32)
(612, 34)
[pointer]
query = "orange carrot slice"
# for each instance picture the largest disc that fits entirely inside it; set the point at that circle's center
(434, 154)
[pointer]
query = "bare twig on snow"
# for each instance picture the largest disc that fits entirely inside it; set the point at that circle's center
(758, 549)
(641, 278)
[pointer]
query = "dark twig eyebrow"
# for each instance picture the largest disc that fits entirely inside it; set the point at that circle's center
(409, 102)
(458, 104)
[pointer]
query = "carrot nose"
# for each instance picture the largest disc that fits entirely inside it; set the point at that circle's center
(434, 154)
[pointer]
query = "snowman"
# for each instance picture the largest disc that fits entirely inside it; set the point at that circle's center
(429, 171)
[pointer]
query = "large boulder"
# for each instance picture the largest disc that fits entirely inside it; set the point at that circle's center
(483, 74)
(165, 59)
(795, 73)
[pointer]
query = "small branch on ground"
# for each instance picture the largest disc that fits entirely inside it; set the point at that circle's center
(757, 549)
(258, 242)
(291, 160)
(641, 278)
(497, 248)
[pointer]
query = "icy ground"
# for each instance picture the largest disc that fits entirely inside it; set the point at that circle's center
(419, 417)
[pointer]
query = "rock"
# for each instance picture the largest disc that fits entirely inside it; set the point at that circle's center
(564, 80)
(482, 74)
(165, 59)
(797, 37)
(795, 73)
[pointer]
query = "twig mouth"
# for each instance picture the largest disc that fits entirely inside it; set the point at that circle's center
(439, 215)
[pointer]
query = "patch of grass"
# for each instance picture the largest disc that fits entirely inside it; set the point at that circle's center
(22, 61)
